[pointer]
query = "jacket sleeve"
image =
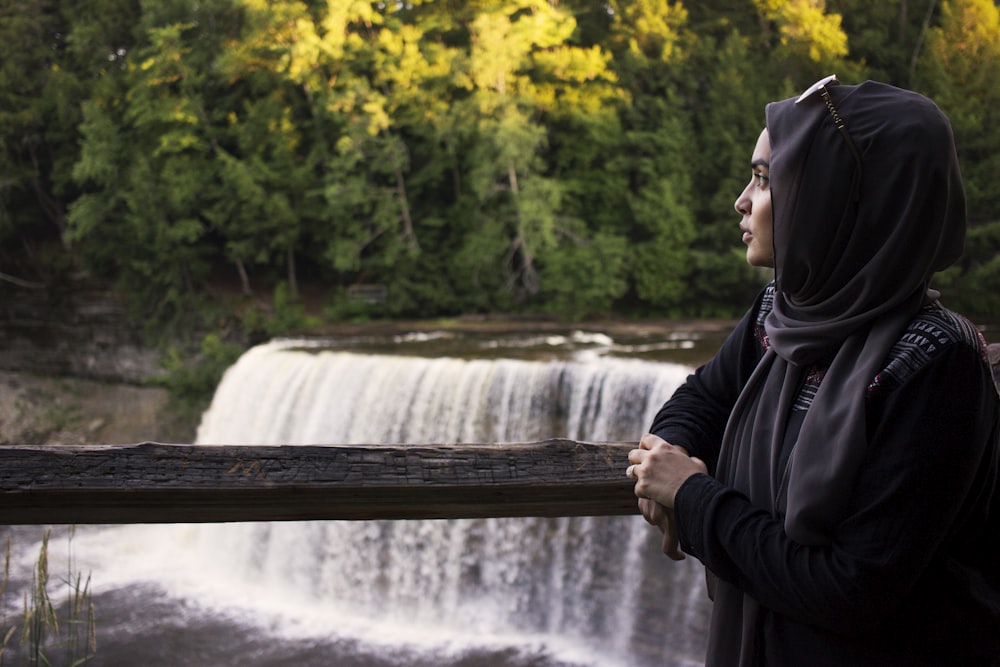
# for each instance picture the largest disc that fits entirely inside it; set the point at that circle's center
(930, 467)
(695, 416)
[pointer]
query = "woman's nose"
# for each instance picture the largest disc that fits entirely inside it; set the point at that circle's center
(742, 204)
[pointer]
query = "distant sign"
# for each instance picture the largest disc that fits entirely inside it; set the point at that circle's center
(368, 292)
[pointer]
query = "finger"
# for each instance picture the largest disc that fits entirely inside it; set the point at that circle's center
(649, 441)
(635, 456)
(652, 512)
(671, 544)
(630, 473)
(670, 547)
(648, 510)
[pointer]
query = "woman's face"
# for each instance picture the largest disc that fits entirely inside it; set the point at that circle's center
(754, 204)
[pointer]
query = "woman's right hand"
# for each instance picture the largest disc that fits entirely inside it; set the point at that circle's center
(663, 518)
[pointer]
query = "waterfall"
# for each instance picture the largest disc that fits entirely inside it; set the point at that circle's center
(583, 591)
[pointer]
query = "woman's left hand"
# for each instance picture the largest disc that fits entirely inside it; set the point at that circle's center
(659, 469)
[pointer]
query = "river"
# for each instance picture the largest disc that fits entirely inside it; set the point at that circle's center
(505, 592)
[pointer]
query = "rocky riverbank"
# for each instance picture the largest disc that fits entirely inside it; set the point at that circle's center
(73, 370)
(37, 409)
(81, 332)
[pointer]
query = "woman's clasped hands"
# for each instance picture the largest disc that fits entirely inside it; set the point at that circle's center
(659, 469)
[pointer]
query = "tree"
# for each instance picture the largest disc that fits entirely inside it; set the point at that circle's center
(145, 158)
(956, 70)
(726, 102)
(513, 203)
(571, 158)
(651, 48)
(266, 160)
(39, 109)
(885, 38)
(805, 29)
(355, 69)
(586, 270)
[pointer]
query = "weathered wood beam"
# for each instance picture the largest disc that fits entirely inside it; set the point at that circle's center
(163, 483)
(158, 483)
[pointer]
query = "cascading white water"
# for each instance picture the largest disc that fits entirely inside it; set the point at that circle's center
(281, 393)
(590, 591)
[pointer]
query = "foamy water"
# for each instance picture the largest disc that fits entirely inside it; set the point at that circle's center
(581, 591)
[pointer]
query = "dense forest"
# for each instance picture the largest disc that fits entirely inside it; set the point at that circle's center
(575, 158)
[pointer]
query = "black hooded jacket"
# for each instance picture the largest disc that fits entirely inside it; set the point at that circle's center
(913, 577)
(850, 422)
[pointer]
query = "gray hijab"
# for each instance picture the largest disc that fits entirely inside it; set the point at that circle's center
(855, 249)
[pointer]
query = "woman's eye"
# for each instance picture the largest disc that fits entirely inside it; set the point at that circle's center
(762, 180)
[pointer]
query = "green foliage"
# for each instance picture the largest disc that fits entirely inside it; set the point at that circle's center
(39, 111)
(805, 29)
(289, 313)
(572, 158)
(585, 276)
(952, 73)
(191, 379)
(143, 165)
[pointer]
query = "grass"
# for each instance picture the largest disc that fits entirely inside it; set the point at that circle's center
(52, 630)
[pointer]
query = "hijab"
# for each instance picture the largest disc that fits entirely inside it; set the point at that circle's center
(855, 248)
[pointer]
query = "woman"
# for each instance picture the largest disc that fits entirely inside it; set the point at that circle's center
(835, 465)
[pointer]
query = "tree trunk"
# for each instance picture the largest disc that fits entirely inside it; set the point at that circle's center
(293, 282)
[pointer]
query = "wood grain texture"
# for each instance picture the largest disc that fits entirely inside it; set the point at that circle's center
(164, 483)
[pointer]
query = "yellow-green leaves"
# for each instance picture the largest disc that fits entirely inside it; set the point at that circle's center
(806, 27)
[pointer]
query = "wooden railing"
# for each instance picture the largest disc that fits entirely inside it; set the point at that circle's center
(158, 483)
(162, 483)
